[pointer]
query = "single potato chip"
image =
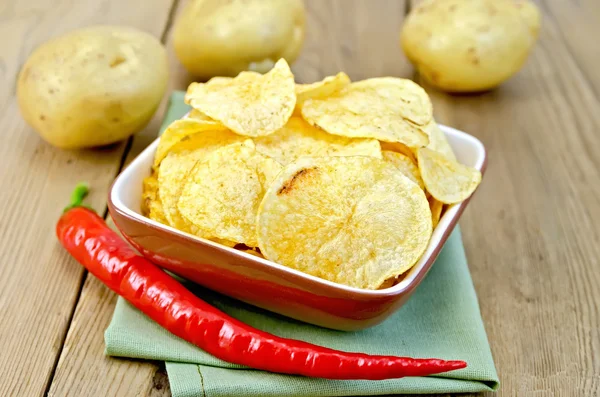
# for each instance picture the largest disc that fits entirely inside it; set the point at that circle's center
(175, 167)
(321, 89)
(181, 129)
(438, 141)
(149, 192)
(436, 208)
(298, 138)
(400, 148)
(222, 193)
(405, 165)
(351, 220)
(198, 115)
(388, 109)
(151, 205)
(250, 104)
(447, 180)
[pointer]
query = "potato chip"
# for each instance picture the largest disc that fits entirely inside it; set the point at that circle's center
(175, 167)
(447, 180)
(151, 205)
(222, 193)
(149, 192)
(324, 88)
(351, 220)
(298, 138)
(198, 115)
(438, 141)
(436, 208)
(405, 165)
(382, 108)
(389, 283)
(181, 129)
(250, 104)
(399, 148)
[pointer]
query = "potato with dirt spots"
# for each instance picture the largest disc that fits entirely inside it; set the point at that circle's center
(226, 37)
(93, 87)
(470, 45)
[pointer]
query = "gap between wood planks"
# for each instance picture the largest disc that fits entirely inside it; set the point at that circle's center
(85, 273)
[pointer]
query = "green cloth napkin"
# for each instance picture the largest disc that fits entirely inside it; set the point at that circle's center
(441, 320)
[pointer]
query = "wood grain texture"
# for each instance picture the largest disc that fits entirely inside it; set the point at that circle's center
(39, 283)
(530, 232)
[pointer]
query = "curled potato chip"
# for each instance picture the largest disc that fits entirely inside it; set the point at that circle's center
(438, 141)
(445, 179)
(298, 138)
(223, 192)
(388, 109)
(351, 220)
(399, 148)
(250, 104)
(182, 129)
(405, 165)
(324, 88)
(436, 210)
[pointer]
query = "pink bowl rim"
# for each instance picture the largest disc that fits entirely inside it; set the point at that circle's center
(410, 281)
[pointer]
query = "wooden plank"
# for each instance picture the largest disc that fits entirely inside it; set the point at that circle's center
(530, 232)
(577, 22)
(39, 284)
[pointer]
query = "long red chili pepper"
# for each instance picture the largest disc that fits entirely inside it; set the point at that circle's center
(92, 243)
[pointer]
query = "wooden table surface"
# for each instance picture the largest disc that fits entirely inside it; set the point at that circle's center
(530, 233)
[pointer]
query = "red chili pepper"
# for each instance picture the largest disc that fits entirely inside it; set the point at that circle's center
(100, 250)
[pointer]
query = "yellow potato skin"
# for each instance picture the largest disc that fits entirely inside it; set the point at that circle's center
(225, 37)
(469, 45)
(92, 87)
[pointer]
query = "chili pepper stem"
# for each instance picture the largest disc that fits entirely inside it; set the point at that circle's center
(77, 196)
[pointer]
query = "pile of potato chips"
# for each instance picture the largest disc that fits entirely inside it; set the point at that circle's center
(341, 180)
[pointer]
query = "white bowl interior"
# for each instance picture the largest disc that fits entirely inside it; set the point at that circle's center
(127, 192)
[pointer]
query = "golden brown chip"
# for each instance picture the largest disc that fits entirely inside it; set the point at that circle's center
(298, 138)
(351, 220)
(222, 193)
(180, 130)
(324, 88)
(447, 180)
(438, 141)
(405, 165)
(250, 104)
(436, 210)
(387, 109)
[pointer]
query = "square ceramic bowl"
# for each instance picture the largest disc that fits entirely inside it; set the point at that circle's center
(264, 283)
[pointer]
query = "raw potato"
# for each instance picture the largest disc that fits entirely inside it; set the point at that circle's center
(351, 220)
(469, 45)
(223, 38)
(93, 87)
